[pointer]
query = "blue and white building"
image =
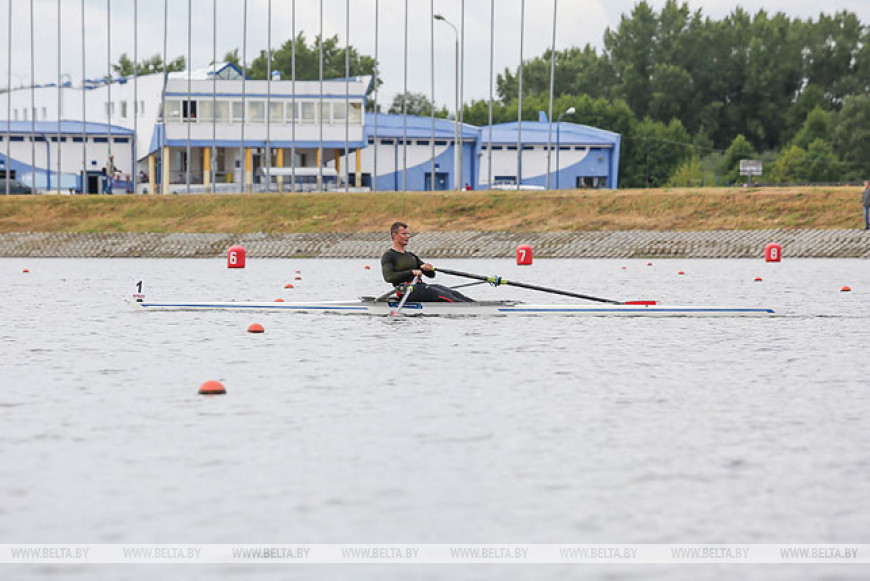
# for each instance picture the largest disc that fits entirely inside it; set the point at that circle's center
(323, 134)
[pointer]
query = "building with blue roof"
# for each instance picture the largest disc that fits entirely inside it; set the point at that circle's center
(318, 138)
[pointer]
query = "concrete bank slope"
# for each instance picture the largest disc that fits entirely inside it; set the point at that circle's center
(619, 244)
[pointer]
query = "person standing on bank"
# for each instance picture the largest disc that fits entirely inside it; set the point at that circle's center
(865, 198)
(399, 265)
(111, 170)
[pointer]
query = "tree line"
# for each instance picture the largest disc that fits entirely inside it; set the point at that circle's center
(690, 95)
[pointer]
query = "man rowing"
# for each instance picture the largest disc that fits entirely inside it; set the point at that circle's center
(400, 266)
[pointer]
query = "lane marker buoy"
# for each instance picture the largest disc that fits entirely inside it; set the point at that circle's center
(212, 387)
(26, 270)
(846, 289)
(367, 267)
(279, 300)
(681, 273)
(288, 285)
(758, 279)
(256, 328)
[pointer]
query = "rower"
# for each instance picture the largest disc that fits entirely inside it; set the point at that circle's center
(400, 266)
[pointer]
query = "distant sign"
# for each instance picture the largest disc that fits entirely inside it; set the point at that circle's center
(750, 167)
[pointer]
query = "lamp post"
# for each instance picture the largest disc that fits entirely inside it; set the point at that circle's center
(457, 148)
(569, 111)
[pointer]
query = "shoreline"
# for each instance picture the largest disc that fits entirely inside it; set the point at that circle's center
(457, 244)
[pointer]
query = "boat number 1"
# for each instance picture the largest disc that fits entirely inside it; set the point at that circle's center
(138, 296)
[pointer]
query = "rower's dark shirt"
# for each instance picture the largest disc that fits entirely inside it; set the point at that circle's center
(397, 267)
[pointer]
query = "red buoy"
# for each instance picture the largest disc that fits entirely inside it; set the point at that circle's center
(846, 289)
(236, 257)
(279, 300)
(524, 254)
(256, 328)
(298, 278)
(773, 252)
(681, 273)
(288, 285)
(212, 388)
(367, 267)
(758, 279)
(26, 270)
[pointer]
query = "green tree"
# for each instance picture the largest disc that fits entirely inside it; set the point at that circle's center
(417, 104)
(308, 61)
(125, 68)
(739, 149)
(817, 126)
(851, 134)
(790, 166)
(652, 152)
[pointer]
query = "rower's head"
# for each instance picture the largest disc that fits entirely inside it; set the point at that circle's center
(399, 233)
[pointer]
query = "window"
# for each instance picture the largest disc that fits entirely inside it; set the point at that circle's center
(77, 139)
(440, 143)
(124, 109)
(16, 114)
(339, 112)
(276, 112)
(308, 112)
(173, 110)
(206, 110)
(25, 114)
(121, 139)
(54, 139)
(101, 140)
(222, 111)
(39, 138)
(355, 113)
(387, 142)
(141, 107)
(16, 138)
(44, 113)
(423, 142)
(237, 111)
(291, 114)
(256, 111)
(189, 110)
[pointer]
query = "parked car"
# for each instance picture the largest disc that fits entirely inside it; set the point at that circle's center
(15, 187)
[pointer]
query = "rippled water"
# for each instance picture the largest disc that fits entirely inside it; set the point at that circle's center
(436, 430)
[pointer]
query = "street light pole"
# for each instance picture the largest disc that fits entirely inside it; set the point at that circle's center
(569, 111)
(457, 148)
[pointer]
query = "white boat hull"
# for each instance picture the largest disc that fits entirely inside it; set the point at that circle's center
(491, 308)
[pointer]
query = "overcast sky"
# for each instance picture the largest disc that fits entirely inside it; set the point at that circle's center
(580, 22)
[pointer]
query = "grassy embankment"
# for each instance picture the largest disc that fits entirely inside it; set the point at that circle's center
(660, 209)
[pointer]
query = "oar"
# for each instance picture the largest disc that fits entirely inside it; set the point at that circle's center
(407, 292)
(497, 280)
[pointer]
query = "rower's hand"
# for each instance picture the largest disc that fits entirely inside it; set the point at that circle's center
(417, 272)
(427, 266)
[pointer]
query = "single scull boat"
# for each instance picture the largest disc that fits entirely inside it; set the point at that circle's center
(370, 306)
(390, 304)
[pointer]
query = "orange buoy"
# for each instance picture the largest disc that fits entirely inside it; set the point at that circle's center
(773, 252)
(846, 289)
(256, 328)
(681, 272)
(524, 254)
(279, 300)
(212, 387)
(288, 285)
(236, 257)
(758, 279)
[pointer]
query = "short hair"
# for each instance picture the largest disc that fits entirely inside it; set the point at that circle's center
(394, 229)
